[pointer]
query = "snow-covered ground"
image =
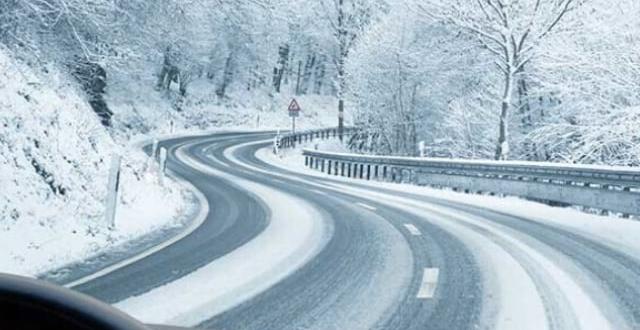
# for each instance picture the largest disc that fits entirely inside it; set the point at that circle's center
(614, 231)
(154, 112)
(54, 163)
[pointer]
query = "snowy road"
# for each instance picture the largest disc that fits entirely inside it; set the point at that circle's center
(339, 254)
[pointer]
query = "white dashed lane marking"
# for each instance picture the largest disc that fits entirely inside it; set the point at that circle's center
(367, 206)
(412, 229)
(429, 283)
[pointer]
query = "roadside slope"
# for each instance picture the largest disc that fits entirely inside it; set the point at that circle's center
(54, 162)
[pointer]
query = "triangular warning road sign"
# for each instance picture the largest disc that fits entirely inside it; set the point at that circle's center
(294, 106)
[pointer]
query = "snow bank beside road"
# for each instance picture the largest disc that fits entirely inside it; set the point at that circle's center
(621, 234)
(54, 162)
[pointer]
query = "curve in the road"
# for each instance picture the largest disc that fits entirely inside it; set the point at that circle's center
(386, 245)
(220, 233)
(310, 298)
(610, 276)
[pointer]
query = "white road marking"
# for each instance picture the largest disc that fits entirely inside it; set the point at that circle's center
(319, 192)
(412, 229)
(217, 161)
(429, 283)
(367, 206)
(197, 221)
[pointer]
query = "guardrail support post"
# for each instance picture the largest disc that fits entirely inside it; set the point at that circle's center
(627, 190)
(368, 171)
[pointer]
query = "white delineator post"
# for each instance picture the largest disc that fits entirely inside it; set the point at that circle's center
(163, 164)
(154, 153)
(154, 149)
(276, 143)
(112, 192)
(421, 148)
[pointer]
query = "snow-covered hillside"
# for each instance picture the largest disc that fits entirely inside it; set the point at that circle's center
(54, 163)
(150, 111)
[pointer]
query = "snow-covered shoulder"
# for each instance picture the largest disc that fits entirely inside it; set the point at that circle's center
(54, 163)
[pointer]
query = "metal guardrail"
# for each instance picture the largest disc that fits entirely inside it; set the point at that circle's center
(291, 139)
(607, 188)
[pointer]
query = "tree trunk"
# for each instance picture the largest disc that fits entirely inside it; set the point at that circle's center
(340, 118)
(279, 71)
(523, 100)
(226, 77)
(342, 40)
(319, 77)
(308, 71)
(341, 90)
(298, 78)
(502, 148)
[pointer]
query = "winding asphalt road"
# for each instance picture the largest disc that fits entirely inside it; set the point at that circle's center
(395, 260)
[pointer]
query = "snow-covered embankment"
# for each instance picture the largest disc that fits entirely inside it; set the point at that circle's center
(54, 162)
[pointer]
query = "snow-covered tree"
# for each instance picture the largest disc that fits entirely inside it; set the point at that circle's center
(346, 20)
(509, 30)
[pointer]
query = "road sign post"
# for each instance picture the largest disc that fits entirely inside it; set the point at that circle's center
(294, 111)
